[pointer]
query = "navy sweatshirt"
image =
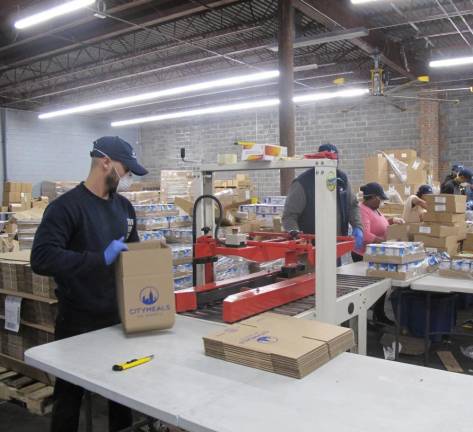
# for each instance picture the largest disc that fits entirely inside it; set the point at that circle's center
(76, 229)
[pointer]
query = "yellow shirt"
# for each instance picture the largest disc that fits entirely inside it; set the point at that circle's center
(412, 214)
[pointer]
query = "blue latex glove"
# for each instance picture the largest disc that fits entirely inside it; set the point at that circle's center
(358, 234)
(113, 250)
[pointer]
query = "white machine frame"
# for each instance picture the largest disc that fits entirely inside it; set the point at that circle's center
(328, 308)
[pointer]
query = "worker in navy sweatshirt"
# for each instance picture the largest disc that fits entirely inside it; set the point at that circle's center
(80, 237)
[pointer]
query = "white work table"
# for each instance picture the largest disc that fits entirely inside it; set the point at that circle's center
(435, 283)
(359, 269)
(187, 389)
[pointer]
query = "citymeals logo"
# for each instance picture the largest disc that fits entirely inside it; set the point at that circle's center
(149, 296)
(267, 339)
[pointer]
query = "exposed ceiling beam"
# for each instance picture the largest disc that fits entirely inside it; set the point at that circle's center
(160, 18)
(337, 16)
(73, 23)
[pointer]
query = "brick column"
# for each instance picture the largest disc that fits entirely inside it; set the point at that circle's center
(429, 132)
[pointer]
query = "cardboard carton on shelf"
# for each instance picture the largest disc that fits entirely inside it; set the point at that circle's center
(468, 243)
(445, 203)
(145, 290)
(376, 169)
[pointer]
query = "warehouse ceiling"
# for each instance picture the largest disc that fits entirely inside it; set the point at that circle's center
(143, 45)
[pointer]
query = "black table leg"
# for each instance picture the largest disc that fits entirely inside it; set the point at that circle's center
(398, 324)
(427, 329)
(88, 411)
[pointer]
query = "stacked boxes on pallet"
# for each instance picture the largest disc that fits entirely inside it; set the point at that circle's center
(17, 196)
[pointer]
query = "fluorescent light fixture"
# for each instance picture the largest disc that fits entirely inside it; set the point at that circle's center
(363, 1)
(314, 97)
(459, 61)
(327, 37)
(54, 12)
(201, 111)
(224, 82)
(311, 97)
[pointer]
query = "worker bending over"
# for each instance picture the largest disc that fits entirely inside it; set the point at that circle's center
(415, 206)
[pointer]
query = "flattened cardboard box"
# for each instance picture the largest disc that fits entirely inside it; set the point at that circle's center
(145, 289)
(283, 345)
(446, 203)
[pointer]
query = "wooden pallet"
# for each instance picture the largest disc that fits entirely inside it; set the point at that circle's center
(34, 395)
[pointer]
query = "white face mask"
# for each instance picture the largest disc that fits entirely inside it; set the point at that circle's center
(125, 182)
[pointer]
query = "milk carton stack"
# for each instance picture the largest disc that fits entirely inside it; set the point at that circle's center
(444, 223)
(395, 260)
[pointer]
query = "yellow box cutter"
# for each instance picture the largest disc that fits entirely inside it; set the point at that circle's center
(132, 363)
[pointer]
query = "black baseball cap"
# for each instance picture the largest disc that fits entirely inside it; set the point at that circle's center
(331, 148)
(373, 189)
(467, 173)
(425, 190)
(457, 167)
(118, 150)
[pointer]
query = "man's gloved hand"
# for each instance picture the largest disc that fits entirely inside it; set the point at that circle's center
(113, 250)
(358, 234)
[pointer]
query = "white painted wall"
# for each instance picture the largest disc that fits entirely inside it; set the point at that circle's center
(54, 149)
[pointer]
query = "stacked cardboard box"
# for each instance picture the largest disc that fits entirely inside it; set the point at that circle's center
(17, 277)
(444, 223)
(395, 260)
(415, 173)
(279, 344)
(176, 184)
(468, 243)
(53, 189)
(17, 196)
(143, 197)
(402, 232)
(15, 344)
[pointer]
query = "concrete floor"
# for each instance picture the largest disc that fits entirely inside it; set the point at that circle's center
(14, 418)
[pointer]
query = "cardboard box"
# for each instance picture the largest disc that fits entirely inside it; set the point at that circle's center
(405, 259)
(266, 152)
(404, 155)
(27, 187)
(392, 208)
(279, 344)
(455, 274)
(416, 172)
(376, 169)
(433, 229)
(11, 197)
(439, 244)
(145, 289)
(404, 232)
(446, 203)
(395, 275)
(440, 217)
(12, 187)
